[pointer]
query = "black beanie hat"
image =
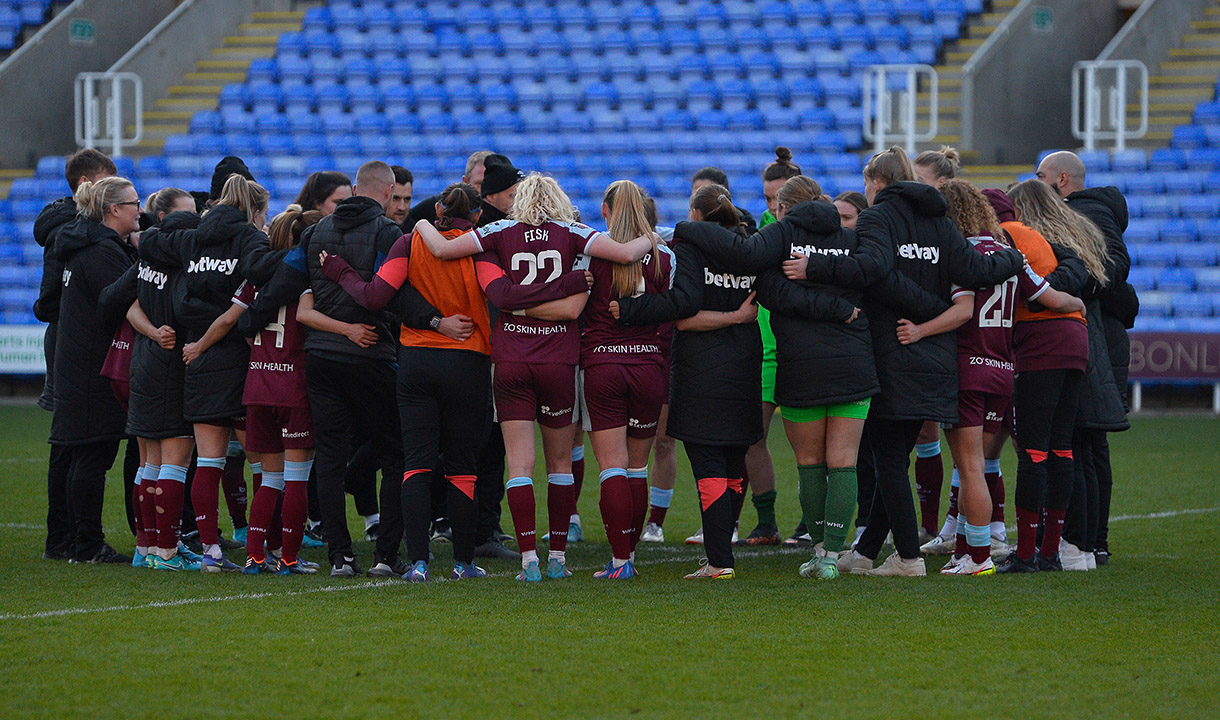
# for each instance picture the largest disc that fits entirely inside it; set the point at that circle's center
(499, 174)
(230, 165)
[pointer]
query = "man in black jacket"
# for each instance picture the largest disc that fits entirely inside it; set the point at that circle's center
(84, 166)
(1107, 208)
(353, 385)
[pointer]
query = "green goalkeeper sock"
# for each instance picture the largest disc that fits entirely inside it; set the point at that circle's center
(764, 505)
(839, 505)
(812, 482)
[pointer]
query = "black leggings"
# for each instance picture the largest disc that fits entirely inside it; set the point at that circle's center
(1044, 416)
(888, 445)
(441, 399)
(1081, 525)
(720, 462)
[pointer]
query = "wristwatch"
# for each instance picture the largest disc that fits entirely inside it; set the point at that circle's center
(435, 322)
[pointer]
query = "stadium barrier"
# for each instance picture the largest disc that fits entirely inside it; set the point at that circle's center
(1174, 358)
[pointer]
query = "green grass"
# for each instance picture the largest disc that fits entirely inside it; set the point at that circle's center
(1138, 638)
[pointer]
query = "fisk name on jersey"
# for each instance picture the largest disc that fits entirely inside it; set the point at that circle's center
(155, 277)
(210, 264)
(914, 251)
(727, 280)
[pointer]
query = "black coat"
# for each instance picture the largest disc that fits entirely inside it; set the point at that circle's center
(715, 390)
(906, 230)
(93, 257)
(50, 221)
(215, 258)
(1120, 304)
(360, 233)
(158, 376)
(820, 358)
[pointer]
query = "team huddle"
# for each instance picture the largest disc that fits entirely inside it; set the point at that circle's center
(437, 345)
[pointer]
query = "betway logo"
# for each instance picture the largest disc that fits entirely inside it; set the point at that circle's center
(912, 251)
(156, 277)
(209, 264)
(67, 276)
(815, 250)
(725, 280)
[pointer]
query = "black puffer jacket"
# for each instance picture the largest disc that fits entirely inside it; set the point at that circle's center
(215, 258)
(158, 376)
(820, 358)
(715, 389)
(1120, 304)
(93, 257)
(360, 233)
(906, 229)
(46, 228)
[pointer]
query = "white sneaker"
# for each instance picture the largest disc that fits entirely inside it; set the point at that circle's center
(810, 569)
(853, 563)
(1091, 560)
(939, 546)
(1072, 557)
(897, 566)
(697, 538)
(967, 566)
(951, 567)
(653, 533)
(1000, 547)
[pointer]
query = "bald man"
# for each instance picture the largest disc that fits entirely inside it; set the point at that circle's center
(1065, 173)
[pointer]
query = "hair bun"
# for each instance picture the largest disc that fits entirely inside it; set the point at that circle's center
(783, 154)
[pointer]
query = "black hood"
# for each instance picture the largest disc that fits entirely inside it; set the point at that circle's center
(81, 233)
(820, 218)
(221, 224)
(356, 211)
(1110, 197)
(52, 217)
(180, 220)
(923, 199)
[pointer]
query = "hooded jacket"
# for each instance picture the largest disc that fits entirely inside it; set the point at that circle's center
(821, 358)
(906, 229)
(92, 257)
(715, 387)
(46, 227)
(360, 233)
(214, 259)
(1119, 303)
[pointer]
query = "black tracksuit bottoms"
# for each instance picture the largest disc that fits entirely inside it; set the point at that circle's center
(721, 462)
(86, 490)
(345, 397)
(888, 444)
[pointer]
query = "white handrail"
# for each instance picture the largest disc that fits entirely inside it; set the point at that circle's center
(1091, 131)
(878, 112)
(92, 125)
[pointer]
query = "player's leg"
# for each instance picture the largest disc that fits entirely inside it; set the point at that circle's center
(662, 478)
(760, 468)
(929, 478)
(806, 431)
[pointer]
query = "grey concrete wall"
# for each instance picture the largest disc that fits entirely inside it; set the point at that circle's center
(36, 82)
(1155, 27)
(185, 37)
(1017, 99)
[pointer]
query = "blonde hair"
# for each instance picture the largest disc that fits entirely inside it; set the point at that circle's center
(1042, 210)
(971, 212)
(160, 202)
(540, 199)
(627, 221)
(245, 195)
(94, 199)
(798, 189)
(476, 158)
(890, 166)
(944, 162)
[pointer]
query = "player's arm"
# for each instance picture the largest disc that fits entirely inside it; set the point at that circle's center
(707, 320)
(376, 293)
(602, 246)
(683, 300)
(360, 334)
(511, 297)
(219, 328)
(165, 336)
(781, 295)
(752, 254)
(957, 315)
(1038, 291)
(463, 245)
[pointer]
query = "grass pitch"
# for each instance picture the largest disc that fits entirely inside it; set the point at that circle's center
(1139, 638)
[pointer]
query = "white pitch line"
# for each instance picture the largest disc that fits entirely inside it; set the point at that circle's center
(326, 588)
(1166, 514)
(23, 526)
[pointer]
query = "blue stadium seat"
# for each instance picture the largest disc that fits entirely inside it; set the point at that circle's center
(1197, 254)
(1167, 159)
(1156, 304)
(1129, 161)
(1142, 278)
(1208, 280)
(1191, 305)
(1204, 207)
(1176, 231)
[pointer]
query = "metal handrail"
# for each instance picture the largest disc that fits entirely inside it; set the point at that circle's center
(91, 126)
(876, 124)
(1091, 131)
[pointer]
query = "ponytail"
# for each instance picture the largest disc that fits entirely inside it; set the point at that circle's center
(245, 195)
(783, 167)
(288, 226)
(797, 190)
(715, 203)
(94, 199)
(459, 201)
(626, 221)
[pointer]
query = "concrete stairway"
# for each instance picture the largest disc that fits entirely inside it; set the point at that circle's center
(200, 89)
